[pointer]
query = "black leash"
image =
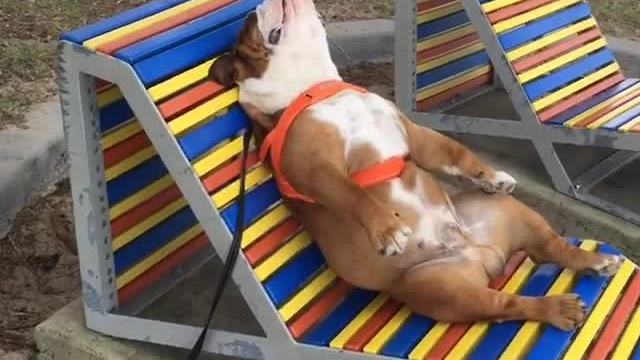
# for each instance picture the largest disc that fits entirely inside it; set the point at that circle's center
(234, 251)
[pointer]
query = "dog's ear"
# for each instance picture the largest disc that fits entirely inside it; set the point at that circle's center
(224, 70)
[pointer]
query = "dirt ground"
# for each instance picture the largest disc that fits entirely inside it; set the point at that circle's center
(38, 273)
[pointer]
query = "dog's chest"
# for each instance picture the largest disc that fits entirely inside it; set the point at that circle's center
(364, 120)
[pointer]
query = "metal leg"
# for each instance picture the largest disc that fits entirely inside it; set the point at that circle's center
(604, 169)
(405, 54)
(92, 225)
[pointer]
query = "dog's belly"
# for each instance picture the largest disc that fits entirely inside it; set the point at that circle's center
(417, 198)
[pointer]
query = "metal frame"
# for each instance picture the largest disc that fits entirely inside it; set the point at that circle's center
(527, 128)
(78, 66)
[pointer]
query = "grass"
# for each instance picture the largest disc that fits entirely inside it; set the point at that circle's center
(28, 33)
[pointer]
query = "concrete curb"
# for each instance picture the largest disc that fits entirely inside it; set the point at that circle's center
(31, 160)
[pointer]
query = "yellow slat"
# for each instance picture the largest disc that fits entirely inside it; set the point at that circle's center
(497, 4)
(629, 339)
(528, 333)
(203, 112)
(533, 15)
(429, 341)
(433, 14)
(446, 85)
(630, 125)
(444, 38)
(121, 134)
(283, 255)
(307, 294)
(129, 163)
(388, 331)
(432, 64)
(473, 336)
(264, 224)
(148, 223)
(157, 256)
(600, 311)
(550, 39)
(615, 113)
(123, 31)
(356, 324)
(231, 191)
(218, 156)
(575, 87)
(579, 118)
(140, 196)
(166, 88)
(561, 60)
(109, 96)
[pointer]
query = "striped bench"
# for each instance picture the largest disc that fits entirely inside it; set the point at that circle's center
(554, 63)
(154, 147)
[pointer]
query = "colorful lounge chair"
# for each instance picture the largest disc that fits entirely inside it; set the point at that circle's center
(154, 148)
(550, 57)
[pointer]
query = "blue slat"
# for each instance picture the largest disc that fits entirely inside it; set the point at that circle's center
(636, 353)
(456, 67)
(257, 201)
(290, 278)
(441, 25)
(164, 65)
(554, 342)
(184, 33)
(538, 88)
(521, 35)
(114, 115)
(500, 335)
(622, 119)
(590, 103)
(85, 33)
(135, 180)
(153, 239)
(408, 336)
(324, 332)
(212, 133)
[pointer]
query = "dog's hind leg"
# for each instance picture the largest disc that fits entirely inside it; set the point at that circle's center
(544, 245)
(456, 291)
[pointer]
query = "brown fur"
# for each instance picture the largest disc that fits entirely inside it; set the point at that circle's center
(351, 224)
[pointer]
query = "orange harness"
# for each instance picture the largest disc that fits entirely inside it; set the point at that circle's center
(274, 142)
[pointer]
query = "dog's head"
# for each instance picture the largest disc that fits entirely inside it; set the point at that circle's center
(281, 51)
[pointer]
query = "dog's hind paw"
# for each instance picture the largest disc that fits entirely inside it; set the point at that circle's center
(609, 265)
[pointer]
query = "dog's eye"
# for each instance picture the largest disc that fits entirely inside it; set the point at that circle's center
(274, 36)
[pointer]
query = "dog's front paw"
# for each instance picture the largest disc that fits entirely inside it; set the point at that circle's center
(389, 235)
(501, 182)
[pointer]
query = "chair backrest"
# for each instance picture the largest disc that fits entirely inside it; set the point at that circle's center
(561, 59)
(450, 57)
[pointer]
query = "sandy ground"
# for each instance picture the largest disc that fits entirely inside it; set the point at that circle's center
(38, 273)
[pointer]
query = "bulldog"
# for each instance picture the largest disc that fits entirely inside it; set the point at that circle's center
(359, 175)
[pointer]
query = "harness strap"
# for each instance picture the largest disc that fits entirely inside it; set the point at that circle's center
(273, 144)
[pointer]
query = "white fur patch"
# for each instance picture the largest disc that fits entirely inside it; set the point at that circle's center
(364, 119)
(431, 218)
